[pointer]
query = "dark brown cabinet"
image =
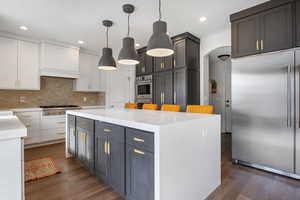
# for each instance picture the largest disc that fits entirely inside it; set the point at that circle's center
(146, 63)
(163, 87)
(298, 23)
(266, 30)
(163, 63)
(276, 29)
(245, 36)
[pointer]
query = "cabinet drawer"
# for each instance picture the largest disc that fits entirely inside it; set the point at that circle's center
(140, 139)
(71, 121)
(115, 132)
(53, 123)
(86, 124)
(48, 135)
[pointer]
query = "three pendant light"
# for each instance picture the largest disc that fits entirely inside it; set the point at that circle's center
(159, 45)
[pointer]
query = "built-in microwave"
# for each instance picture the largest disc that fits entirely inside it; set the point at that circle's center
(144, 87)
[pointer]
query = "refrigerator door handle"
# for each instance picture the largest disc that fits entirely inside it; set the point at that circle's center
(289, 99)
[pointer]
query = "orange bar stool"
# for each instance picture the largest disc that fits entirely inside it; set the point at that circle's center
(130, 106)
(150, 106)
(208, 109)
(169, 107)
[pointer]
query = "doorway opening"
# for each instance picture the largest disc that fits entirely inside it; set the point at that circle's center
(219, 77)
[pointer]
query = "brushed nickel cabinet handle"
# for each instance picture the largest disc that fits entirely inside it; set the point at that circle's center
(107, 130)
(161, 98)
(62, 133)
(138, 140)
(83, 124)
(174, 62)
(175, 97)
(61, 122)
(262, 44)
(139, 152)
(161, 65)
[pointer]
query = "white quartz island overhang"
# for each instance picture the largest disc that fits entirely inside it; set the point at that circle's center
(187, 148)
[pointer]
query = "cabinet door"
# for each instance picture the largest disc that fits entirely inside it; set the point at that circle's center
(168, 87)
(72, 140)
(158, 88)
(101, 157)
(9, 63)
(141, 67)
(28, 66)
(85, 148)
(276, 29)
(180, 87)
(139, 174)
(159, 64)
(117, 164)
(180, 54)
(83, 82)
(245, 37)
(298, 23)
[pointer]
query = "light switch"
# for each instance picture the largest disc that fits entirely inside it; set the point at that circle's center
(84, 99)
(22, 99)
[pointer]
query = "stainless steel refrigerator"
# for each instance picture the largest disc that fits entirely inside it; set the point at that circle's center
(265, 112)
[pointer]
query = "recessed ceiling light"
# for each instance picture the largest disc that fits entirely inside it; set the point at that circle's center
(24, 28)
(80, 42)
(137, 45)
(203, 19)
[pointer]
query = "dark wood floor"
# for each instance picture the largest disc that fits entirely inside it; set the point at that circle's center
(238, 182)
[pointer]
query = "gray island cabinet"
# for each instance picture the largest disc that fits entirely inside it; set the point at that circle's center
(148, 155)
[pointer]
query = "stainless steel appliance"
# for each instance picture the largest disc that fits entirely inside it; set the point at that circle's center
(144, 89)
(57, 109)
(265, 112)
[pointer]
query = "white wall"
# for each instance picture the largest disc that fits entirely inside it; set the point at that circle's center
(208, 44)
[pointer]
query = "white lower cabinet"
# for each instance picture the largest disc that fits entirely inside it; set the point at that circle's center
(42, 129)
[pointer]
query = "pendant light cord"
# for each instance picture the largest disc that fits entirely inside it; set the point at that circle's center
(128, 30)
(107, 37)
(159, 10)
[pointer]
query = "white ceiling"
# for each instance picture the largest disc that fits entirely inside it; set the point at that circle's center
(72, 20)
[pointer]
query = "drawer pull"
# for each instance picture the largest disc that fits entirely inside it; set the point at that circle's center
(139, 152)
(83, 124)
(107, 130)
(60, 133)
(61, 122)
(28, 126)
(25, 116)
(138, 140)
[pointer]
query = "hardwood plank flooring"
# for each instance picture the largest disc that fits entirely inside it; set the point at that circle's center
(75, 183)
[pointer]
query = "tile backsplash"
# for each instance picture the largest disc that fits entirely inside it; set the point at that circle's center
(54, 91)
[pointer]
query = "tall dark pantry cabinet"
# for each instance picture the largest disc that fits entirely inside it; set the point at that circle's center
(176, 79)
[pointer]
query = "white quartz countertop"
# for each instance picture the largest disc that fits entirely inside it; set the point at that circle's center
(11, 127)
(139, 119)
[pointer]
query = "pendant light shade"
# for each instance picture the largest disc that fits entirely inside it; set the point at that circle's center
(107, 61)
(128, 54)
(160, 44)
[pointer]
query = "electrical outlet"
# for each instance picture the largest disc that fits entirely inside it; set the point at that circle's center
(84, 99)
(22, 99)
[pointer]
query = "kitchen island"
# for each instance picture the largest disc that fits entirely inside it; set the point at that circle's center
(148, 155)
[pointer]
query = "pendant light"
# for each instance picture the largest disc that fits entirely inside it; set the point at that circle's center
(107, 61)
(160, 44)
(128, 54)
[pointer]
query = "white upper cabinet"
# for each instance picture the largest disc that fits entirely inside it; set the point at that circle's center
(8, 63)
(28, 66)
(59, 61)
(90, 76)
(19, 65)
